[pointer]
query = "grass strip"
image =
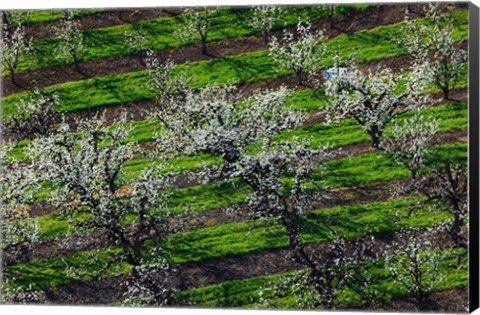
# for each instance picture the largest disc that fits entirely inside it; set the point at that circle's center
(249, 293)
(42, 16)
(238, 239)
(358, 170)
(105, 42)
(369, 45)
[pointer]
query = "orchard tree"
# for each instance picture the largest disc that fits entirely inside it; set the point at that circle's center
(197, 25)
(410, 141)
(137, 45)
(447, 188)
(11, 19)
(433, 46)
(329, 11)
(372, 100)
(264, 19)
(70, 47)
(36, 116)
(14, 49)
(341, 264)
(215, 120)
(167, 85)
(87, 167)
(300, 52)
(413, 264)
(18, 185)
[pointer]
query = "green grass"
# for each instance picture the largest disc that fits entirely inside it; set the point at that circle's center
(347, 172)
(245, 293)
(109, 42)
(242, 238)
(42, 16)
(115, 89)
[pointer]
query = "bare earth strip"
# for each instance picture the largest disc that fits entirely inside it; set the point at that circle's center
(349, 22)
(106, 18)
(336, 197)
(211, 272)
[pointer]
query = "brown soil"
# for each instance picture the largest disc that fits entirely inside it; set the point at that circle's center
(215, 271)
(353, 22)
(337, 197)
(452, 301)
(67, 245)
(102, 19)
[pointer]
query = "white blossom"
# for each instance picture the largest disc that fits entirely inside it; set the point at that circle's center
(264, 18)
(434, 49)
(410, 141)
(35, 116)
(197, 25)
(137, 44)
(300, 52)
(71, 46)
(372, 99)
(14, 49)
(411, 267)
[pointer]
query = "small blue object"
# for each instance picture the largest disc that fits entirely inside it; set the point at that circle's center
(333, 72)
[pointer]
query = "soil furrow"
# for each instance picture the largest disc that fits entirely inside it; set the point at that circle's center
(107, 18)
(337, 197)
(347, 23)
(215, 271)
(68, 245)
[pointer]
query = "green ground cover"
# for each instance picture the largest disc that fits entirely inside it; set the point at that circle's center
(346, 172)
(115, 89)
(246, 293)
(160, 33)
(41, 16)
(241, 238)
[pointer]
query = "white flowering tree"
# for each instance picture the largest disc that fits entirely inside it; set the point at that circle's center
(70, 47)
(264, 19)
(197, 26)
(339, 265)
(215, 121)
(413, 264)
(12, 19)
(87, 168)
(373, 100)
(34, 117)
(329, 11)
(432, 45)
(410, 141)
(167, 85)
(18, 185)
(138, 45)
(447, 188)
(14, 49)
(300, 52)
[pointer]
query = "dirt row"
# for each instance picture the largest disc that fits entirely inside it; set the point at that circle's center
(195, 177)
(347, 23)
(97, 239)
(215, 271)
(336, 197)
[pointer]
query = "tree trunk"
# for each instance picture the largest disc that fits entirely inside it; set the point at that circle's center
(265, 36)
(77, 65)
(12, 77)
(375, 136)
(446, 93)
(456, 229)
(204, 46)
(300, 79)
